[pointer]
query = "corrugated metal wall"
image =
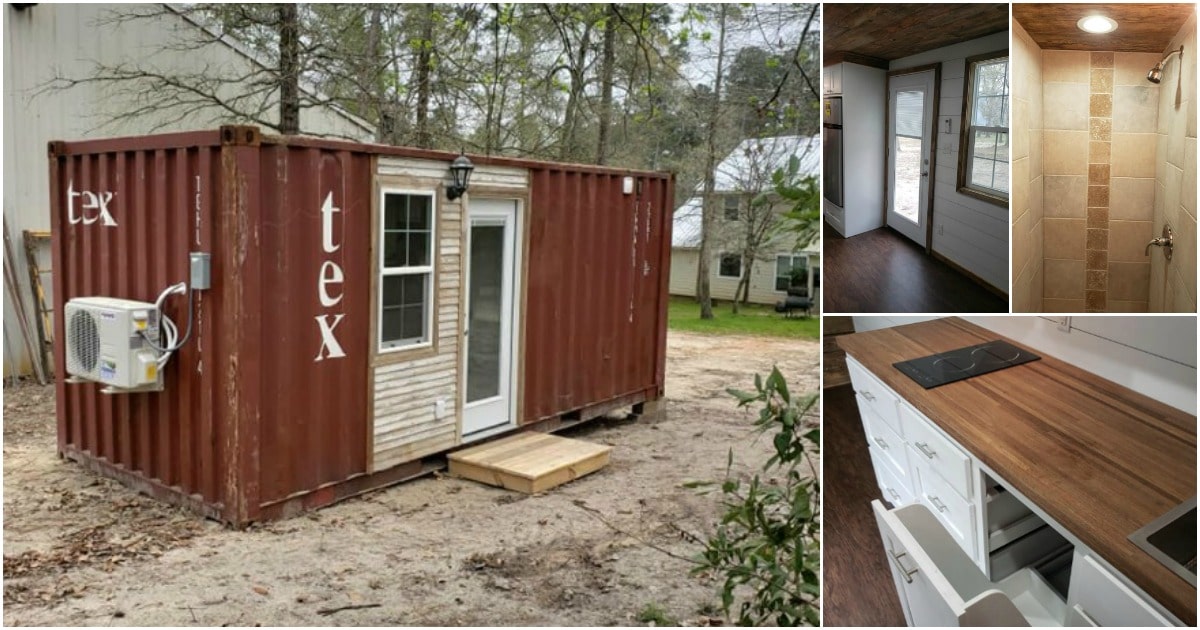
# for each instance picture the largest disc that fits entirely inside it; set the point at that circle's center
(597, 287)
(163, 205)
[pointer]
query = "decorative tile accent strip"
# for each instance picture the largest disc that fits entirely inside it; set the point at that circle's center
(1099, 182)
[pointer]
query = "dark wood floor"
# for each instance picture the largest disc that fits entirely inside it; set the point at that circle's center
(832, 327)
(858, 587)
(883, 272)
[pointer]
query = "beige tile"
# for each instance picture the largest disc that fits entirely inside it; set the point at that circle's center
(1135, 109)
(1176, 131)
(1095, 301)
(1184, 253)
(1173, 189)
(1036, 291)
(1020, 290)
(1181, 300)
(1096, 280)
(1098, 174)
(1099, 152)
(1102, 60)
(1020, 196)
(1066, 66)
(1122, 306)
(1102, 80)
(1035, 153)
(1064, 278)
(1101, 105)
(1066, 106)
(1133, 154)
(1100, 129)
(1020, 129)
(1129, 281)
(1131, 68)
(1097, 239)
(1022, 244)
(1131, 199)
(1127, 240)
(1188, 199)
(1065, 152)
(1064, 196)
(1098, 196)
(1054, 305)
(1097, 218)
(1096, 259)
(1064, 238)
(1036, 204)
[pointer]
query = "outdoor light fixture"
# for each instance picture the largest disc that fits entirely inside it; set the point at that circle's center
(460, 172)
(1097, 24)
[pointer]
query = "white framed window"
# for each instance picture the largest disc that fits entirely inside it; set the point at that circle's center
(732, 208)
(730, 266)
(984, 147)
(789, 266)
(407, 233)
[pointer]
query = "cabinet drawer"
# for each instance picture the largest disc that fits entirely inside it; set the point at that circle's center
(934, 450)
(896, 488)
(1029, 550)
(1103, 598)
(955, 513)
(872, 394)
(889, 445)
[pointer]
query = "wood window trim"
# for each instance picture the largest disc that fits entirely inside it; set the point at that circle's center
(965, 129)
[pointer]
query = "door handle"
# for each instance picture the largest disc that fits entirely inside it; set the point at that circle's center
(883, 445)
(895, 495)
(925, 450)
(905, 572)
(937, 503)
(866, 394)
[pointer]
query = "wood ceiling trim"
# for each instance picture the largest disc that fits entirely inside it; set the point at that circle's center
(893, 31)
(1140, 27)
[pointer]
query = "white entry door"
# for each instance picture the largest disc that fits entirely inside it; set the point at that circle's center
(910, 116)
(489, 341)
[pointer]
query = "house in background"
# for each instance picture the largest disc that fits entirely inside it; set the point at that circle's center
(777, 266)
(43, 42)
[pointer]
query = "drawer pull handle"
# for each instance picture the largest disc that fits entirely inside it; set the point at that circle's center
(883, 445)
(924, 448)
(868, 395)
(905, 572)
(1083, 615)
(937, 503)
(895, 495)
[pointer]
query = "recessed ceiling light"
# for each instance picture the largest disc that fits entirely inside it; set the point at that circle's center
(1097, 24)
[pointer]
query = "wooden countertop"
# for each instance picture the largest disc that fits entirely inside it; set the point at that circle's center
(1100, 459)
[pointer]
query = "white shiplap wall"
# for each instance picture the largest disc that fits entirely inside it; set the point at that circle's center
(972, 233)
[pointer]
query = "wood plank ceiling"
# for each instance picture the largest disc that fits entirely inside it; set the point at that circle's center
(1140, 27)
(892, 31)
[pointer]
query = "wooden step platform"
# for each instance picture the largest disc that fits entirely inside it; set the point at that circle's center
(529, 462)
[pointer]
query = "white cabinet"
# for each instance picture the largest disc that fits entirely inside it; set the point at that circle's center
(963, 549)
(831, 79)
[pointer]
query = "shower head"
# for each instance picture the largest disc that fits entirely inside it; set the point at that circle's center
(1155, 74)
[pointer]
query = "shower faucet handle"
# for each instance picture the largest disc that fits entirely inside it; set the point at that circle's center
(1166, 241)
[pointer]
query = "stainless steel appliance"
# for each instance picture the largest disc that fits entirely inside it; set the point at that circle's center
(831, 141)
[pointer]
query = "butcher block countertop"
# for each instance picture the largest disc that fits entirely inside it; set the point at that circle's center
(1100, 459)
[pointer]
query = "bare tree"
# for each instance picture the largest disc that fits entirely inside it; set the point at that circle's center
(708, 214)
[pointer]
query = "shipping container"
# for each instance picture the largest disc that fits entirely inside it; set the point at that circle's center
(359, 322)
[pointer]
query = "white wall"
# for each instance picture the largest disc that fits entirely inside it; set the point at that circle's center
(69, 40)
(1155, 356)
(966, 230)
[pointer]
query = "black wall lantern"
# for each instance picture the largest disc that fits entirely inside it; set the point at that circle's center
(460, 172)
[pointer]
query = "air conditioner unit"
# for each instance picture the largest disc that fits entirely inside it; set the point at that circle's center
(105, 342)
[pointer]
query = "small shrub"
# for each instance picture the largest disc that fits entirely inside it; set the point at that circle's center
(652, 613)
(768, 545)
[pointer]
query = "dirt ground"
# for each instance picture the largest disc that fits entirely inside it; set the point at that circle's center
(82, 550)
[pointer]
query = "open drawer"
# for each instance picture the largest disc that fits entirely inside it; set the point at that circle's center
(939, 584)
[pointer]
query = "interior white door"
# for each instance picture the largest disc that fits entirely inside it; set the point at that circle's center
(489, 340)
(910, 142)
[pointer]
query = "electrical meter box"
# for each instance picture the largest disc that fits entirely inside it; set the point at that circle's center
(107, 342)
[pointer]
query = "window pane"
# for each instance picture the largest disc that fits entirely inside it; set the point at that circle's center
(390, 321)
(418, 249)
(991, 111)
(413, 293)
(783, 266)
(910, 108)
(906, 200)
(394, 209)
(418, 212)
(394, 250)
(403, 315)
(989, 165)
(731, 265)
(412, 323)
(485, 314)
(392, 291)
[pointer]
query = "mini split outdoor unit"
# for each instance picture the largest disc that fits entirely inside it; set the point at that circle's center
(108, 342)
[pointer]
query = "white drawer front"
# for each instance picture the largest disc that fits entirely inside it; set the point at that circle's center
(955, 513)
(889, 445)
(872, 394)
(1101, 596)
(896, 488)
(941, 455)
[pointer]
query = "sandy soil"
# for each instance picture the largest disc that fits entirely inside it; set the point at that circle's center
(81, 550)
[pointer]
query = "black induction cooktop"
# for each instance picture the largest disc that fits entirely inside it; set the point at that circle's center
(956, 365)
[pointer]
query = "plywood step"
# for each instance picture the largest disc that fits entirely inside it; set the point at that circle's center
(529, 462)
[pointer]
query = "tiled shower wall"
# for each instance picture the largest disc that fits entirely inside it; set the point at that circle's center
(1026, 173)
(1100, 118)
(1173, 283)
